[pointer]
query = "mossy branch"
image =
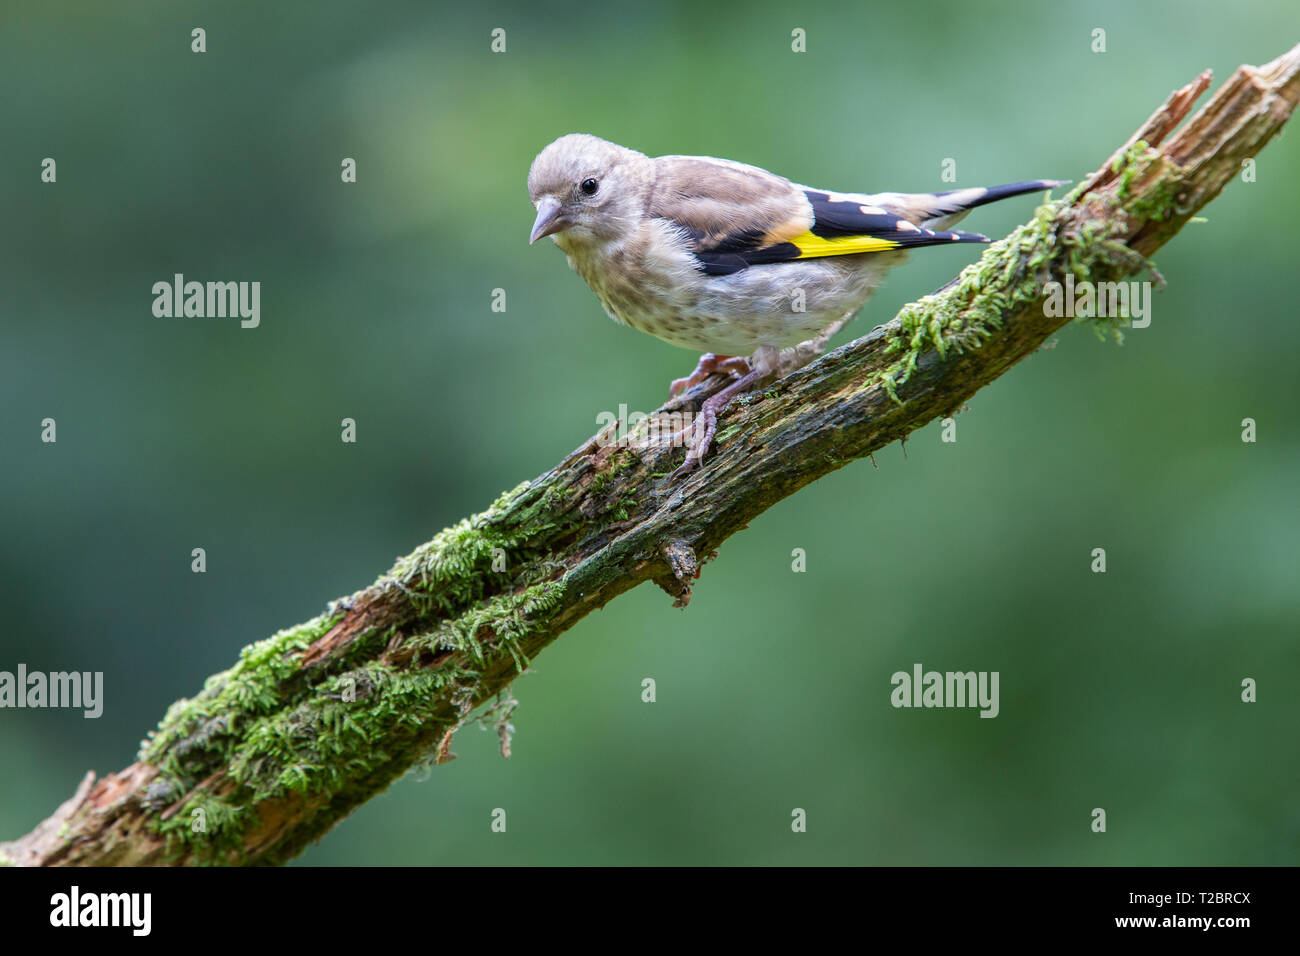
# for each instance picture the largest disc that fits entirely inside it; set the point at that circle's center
(313, 721)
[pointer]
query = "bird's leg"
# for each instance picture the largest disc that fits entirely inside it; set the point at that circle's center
(763, 365)
(709, 364)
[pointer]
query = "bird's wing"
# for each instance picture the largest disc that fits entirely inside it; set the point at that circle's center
(735, 216)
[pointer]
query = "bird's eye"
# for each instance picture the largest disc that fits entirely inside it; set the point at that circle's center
(589, 186)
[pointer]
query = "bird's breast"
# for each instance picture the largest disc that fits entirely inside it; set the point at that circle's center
(654, 284)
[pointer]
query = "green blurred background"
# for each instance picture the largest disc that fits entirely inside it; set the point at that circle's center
(1118, 690)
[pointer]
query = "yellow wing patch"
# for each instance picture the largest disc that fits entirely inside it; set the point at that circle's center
(812, 246)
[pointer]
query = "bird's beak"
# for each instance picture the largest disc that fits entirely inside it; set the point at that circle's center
(549, 220)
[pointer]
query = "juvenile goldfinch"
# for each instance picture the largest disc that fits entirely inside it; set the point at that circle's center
(729, 259)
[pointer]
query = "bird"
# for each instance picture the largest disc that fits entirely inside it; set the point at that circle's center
(729, 259)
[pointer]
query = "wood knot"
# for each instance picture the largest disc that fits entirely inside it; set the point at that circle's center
(685, 568)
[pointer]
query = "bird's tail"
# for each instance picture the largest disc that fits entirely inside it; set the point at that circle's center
(946, 209)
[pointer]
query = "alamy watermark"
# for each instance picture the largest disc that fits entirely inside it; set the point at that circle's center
(1098, 300)
(952, 689)
(75, 689)
(641, 430)
(128, 910)
(210, 300)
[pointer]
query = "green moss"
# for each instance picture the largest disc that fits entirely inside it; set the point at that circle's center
(253, 686)
(1158, 199)
(266, 729)
(608, 508)
(1132, 162)
(965, 315)
(504, 619)
(1012, 272)
(323, 744)
(451, 572)
(219, 838)
(456, 553)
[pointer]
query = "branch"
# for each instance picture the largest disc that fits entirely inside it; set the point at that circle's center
(315, 720)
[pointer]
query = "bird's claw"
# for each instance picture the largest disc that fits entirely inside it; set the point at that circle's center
(705, 426)
(706, 422)
(709, 364)
(703, 369)
(684, 469)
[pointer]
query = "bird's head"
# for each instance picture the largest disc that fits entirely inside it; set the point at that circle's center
(587, 190)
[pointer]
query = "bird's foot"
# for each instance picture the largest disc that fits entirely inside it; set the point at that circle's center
(705, 425)
(709, 364)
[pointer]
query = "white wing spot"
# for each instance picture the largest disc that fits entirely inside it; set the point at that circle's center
(832, 196)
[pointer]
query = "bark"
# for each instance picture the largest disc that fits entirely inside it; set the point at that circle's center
(315, 720)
